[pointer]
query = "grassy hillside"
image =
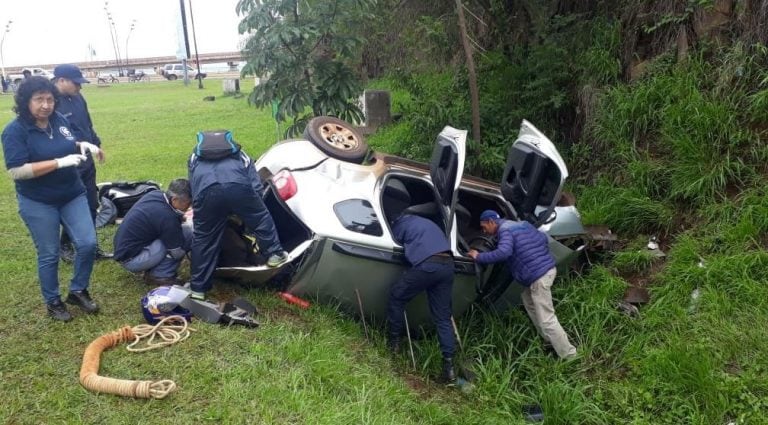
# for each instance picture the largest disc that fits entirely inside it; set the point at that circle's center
(679, 154)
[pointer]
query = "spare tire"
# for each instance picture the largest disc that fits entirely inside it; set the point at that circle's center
(337, 139)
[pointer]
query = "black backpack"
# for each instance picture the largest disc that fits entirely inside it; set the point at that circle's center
(215, 145)
(125, 194)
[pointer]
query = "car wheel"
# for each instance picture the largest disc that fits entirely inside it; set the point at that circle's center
(172, 77)
(337, 139)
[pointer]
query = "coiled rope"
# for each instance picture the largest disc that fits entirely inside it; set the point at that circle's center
(170, 330)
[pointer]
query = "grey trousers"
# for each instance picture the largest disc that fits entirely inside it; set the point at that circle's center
(537, 300)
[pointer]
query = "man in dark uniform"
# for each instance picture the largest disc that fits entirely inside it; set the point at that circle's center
(153, 237)
(223, 184)
(428, 252)
(68, 80)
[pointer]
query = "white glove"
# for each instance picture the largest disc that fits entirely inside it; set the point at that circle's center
(86, 147)
(72, 160)
(95, 151)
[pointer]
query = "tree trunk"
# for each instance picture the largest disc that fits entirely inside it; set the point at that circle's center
(473, 92)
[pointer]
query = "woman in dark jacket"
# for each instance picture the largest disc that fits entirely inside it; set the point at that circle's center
(41, 155)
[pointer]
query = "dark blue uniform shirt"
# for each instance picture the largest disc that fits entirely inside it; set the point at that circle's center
(75, 109)
(237, 168)
(26, 143)
(149, 219)
(420, 237)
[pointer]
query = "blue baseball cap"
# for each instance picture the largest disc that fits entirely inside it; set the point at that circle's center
(489, 215)
(70, 72)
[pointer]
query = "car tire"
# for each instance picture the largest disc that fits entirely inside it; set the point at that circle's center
(172, 77)
(337, 139)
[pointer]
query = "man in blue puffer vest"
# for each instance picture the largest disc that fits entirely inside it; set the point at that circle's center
(525, 250)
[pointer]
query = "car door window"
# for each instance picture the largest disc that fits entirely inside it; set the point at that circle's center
(357, 215)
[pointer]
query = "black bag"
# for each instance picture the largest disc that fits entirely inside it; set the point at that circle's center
(107, 212)
(125, 194)
(236, 249)
(215, 145)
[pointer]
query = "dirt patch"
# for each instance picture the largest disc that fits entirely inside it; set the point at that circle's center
(417, 384)
(733, 368)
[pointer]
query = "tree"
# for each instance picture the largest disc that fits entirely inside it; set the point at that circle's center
(305, 53)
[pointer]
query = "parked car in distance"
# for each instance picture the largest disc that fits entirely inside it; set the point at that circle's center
(16, 78)
(326, 194)
(173, 71)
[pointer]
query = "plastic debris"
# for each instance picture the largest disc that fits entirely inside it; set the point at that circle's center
(628, 309)
(695, 296)
(533, 413)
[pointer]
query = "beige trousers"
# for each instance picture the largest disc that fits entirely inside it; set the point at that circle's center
(537, 300)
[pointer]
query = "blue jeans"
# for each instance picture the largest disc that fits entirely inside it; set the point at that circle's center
(154, 258)
(44, 221)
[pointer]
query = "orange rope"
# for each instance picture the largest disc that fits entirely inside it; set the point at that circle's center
(89, 371)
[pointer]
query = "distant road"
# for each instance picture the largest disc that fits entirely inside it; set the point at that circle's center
(220, 57)
(158, 77)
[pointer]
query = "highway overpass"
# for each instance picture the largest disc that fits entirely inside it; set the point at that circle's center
(96, 66)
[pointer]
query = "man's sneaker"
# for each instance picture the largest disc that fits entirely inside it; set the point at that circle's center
(83, 300)
(58, 310)
(103, 255)
(277, 259)
(67, 252)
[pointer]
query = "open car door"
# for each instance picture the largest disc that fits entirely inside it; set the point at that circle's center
(534, 175)
(446, 168)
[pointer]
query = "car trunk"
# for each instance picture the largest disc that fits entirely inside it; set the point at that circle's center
(237, 259)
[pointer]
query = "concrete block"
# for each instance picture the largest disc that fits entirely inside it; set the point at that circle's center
(231, 85)
(377, 108)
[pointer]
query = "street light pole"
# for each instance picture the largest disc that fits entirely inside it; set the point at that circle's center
(2, 61)
(130, 30)
(115, 38)
(111, 34)
(194, 39)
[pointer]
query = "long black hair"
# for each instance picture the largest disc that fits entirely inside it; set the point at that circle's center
(27, 89)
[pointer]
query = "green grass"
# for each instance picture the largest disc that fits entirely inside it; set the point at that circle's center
(681, 362)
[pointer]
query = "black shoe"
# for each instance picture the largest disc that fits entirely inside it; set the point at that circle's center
(161, 281)
(448, 375)
(103, 255)
(393, 345)
(58, 311)
(83, 300)
(67, 253)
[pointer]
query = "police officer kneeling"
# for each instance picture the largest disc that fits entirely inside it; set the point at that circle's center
(153, 237)
(429, 253)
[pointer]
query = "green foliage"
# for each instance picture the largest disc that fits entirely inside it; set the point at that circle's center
(634, 261)
(672, 19)
(689, 130)
(599, 63)
(304, 52)
(625, 210)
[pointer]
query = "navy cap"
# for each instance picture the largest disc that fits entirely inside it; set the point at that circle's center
(489, 215)
(70, 72)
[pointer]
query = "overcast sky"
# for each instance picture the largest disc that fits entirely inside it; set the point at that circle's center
(60, 31)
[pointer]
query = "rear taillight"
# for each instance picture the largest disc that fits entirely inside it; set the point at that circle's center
(285, 184)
